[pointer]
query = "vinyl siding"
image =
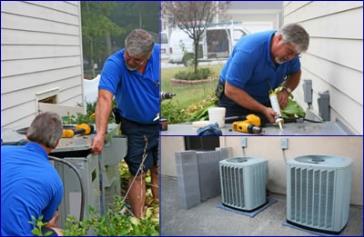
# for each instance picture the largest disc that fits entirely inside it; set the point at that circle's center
(41, 50)
(334, 60)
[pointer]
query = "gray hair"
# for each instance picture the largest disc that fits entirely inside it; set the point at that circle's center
(46, 129)
(139, 42)
(295, 34)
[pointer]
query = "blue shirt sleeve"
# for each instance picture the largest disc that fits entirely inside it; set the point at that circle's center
(240, 69)
(110, 76)
(56, 198)
(294, 66)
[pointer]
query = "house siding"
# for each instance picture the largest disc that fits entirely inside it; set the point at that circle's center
(41, 50)
(334, 60)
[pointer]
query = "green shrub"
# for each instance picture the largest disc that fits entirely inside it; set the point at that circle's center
(117, 221)
(173, 112)
(188, 59)
(202, 73)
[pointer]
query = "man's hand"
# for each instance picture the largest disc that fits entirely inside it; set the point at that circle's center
(102, 113)
(283, 98)
(53, 222)
(98, 143)
(269, 114)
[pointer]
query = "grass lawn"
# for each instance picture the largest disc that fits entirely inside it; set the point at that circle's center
(189, 94)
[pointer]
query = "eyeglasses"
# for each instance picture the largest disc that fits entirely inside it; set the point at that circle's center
(291, 51)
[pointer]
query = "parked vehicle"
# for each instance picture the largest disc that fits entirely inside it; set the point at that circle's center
(216, 42)
(164, 45)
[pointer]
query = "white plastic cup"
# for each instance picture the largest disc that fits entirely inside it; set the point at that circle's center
(217, 115)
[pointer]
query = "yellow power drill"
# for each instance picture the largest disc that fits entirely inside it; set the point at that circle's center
(83, 129)
(251, 124)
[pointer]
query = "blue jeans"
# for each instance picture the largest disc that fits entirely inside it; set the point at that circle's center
(136, 134)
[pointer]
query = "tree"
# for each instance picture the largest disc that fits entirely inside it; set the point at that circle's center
(97, 29)
(193, 17)
(106, 24)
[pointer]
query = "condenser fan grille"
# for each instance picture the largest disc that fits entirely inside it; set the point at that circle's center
(312, 196)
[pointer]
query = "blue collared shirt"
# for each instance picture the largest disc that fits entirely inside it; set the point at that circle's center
(137, 94)
(252, 69)
(30, 186)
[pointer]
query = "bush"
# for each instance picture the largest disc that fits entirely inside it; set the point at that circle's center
(188, 59)
(199, 111)
(173, 111)
(202, 73)
(117, 221)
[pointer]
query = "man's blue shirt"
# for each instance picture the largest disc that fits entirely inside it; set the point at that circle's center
(252, 69)
(137, 94)
(30, 186)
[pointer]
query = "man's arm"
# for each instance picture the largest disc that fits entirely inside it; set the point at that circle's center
(243, 99)
(291, 83)
(102, 113)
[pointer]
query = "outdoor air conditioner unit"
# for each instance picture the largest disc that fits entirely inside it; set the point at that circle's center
(243, 182)
(318, 192)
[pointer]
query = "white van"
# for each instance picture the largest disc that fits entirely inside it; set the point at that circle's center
(164, 45)
(216, 42)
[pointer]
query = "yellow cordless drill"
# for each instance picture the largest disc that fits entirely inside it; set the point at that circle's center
(83, 129)
(251, 124)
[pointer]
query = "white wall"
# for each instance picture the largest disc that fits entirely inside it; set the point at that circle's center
(334, 60)
(169, 146)
(269, 148)
(41, 55)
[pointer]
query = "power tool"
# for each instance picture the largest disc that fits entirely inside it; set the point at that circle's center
(251, 125)
(82, 129)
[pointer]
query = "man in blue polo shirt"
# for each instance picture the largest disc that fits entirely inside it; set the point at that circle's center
(132, 76)
(30, 186)
(259, 63)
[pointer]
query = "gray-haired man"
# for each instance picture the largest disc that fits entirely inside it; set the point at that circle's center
(259, 63)
(132, 76)
(30, 186)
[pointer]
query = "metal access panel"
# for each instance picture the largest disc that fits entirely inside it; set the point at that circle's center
(318, 192)
(114, 151)
(208, 170)
(188, 184)
(89, 170)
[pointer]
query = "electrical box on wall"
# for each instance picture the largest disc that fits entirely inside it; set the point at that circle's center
(324, 105)
(284, 143)
(244, 142)
(307, 91)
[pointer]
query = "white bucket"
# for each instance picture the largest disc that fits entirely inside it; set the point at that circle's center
(217, 115)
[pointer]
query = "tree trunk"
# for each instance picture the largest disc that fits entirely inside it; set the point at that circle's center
(108, 43)
(195, 62)
(92, 62)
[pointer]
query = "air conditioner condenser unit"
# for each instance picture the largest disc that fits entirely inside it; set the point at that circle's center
(243, 182)
(318, 192)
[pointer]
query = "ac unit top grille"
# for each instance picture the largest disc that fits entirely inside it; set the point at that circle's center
(323, 161)
(238, 160)
(242, 161)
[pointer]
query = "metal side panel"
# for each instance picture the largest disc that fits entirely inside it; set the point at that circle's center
(254, 185)
(342, 191)
(89, 171)
(114, 150)
(208, 164)
(187, 179)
